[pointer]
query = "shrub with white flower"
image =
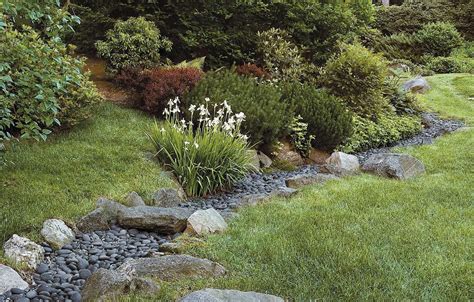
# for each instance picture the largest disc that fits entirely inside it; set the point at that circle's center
(207, 155)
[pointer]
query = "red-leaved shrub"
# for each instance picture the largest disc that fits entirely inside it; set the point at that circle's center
(157, 86)
(252, 70)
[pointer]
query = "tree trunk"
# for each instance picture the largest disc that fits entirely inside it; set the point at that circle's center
(386, 2)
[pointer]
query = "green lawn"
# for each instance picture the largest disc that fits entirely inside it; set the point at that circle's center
(63, 177)
(364, 238)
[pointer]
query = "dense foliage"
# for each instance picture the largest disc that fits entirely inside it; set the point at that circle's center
(388, 129)
(438, 39)
(357, 76)
(267, 116)
(42, 85)
(282, 57)
(157, 86)
(134, 43)
(328, 119)
(252, 70)
(206, 156)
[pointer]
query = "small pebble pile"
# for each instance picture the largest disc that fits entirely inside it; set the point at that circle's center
(255, 183)
(61, 276)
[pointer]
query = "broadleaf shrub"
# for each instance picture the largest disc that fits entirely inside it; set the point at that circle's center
(133, 43)
(357, 76)
(162, 84)
(329, 121)
(389, 128)
(266, 116)
(281, 57)
(204, 157)
(42, 86)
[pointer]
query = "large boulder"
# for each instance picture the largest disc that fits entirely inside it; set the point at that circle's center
(134, 200)
(399, 166)
(162, 220)
(167, 198)
(255, 160)
(342, 164)
(264, 160)
(308, 179)
(172, 267)
(97, 220)
(204, 222)
(57, 233)
(287, 154)
(228, 295)
(9, 279)
(416, 85)
(106, 285)
(22, 251)
(102, 217)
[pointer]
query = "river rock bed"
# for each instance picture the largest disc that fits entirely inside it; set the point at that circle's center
(253, 184)
(61, 276)
(434, 126)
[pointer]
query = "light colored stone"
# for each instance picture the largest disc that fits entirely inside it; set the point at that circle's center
(417, 85)
(134, 200)
(9, 279)
(167, 198)
(106, 285)
(228, 295)
(284, 192)
(171, 247)
(162, 220)
(393, 165)
(23, 251)
(172, 267)
(308, 179)
(57, 233)
(342, 164)
(264, 160)
(203, 222)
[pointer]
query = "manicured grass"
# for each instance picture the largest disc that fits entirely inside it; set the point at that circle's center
(362, 238)
(63, 177)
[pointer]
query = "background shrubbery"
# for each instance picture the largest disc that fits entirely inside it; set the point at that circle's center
(267, 115)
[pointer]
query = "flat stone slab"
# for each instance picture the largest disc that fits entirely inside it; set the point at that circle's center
(9, 279)
(228, 295)
(162, 220)
(308, 179)
(172, 267)
(106, 285)
(393, 165)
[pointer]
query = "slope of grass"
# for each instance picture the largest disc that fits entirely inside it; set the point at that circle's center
(63, 177)
(363, 238)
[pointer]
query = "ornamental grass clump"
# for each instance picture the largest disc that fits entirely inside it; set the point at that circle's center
(205, 156)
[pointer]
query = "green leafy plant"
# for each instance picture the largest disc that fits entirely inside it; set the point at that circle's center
(267, 117)
(326, 116)
(402, 101)
(357, 76)
(300, 138)
(450, 64)
(206, 156)
(438, 39)
(388, 129)
(281, 56)
(42, 86)
(134, 43)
